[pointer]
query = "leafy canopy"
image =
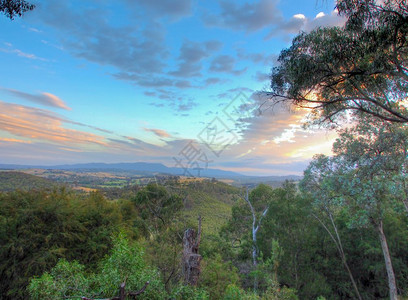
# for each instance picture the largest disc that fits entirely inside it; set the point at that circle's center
(13, 8)
(360, 68)
(69, 280)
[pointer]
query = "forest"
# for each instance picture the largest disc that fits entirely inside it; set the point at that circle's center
(339, 233)
(59, 244)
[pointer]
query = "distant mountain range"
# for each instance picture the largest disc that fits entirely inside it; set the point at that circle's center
(130, 167)
(154, 168)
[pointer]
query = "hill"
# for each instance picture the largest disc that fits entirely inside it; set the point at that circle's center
(211, 199)
(138, 167)
(12, 180)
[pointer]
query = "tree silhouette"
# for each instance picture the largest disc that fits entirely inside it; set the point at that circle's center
(13, 8)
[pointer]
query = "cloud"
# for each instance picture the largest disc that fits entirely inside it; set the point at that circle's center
(234, 93)
(257, 57)
(137, 49)
(191, 56)
(212, 80)
(34, 30)
(262, 77)
(262, 150)
(274, 142)
(225, 64)
(179, 103)
(53, 142)
(253, 16)
(300, 22)
(159, 132)
(325, 20)
(248, 17)
(44, 125)
(258, 167)
(46, 99)
(183, 105)
(10, 49)
(11, 140)
(88, 34)
(174, 9)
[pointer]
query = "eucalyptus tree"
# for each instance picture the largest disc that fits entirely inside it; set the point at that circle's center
(361, 67)
(157, 207)
(258, 201)
(13, 8)
(248, 216)
(320, 183)
(361, 179)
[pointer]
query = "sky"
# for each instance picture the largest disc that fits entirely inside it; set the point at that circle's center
(175, 82)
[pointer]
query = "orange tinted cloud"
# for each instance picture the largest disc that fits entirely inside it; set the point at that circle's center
(10, 140)
(47, 99)
(40, 124)
(159, 132)
(276, 139)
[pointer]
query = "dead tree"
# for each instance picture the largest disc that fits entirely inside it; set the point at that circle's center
(191, 258)
(256, 224)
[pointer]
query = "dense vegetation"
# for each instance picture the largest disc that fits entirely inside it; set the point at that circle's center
(12, 180)
(359, 68)
(72, 245)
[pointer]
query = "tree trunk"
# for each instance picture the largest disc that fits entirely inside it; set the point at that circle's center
(255, 256)
(343, 256)
(191, 258)
(388, 265)
(255, 227)
(339, 246)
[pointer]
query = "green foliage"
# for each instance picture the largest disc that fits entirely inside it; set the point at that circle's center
(66, 236)
(275, 292)
(216, 275)
(360, 68)
(271, 264)
(186, 292)
(63, 279)
(210, 199)
(125, 263)
(14, 8)
(260, 197)
(157, 207)
(360, 181)
(38, 228)
(234, 292)
(11, 181)
(164, 252)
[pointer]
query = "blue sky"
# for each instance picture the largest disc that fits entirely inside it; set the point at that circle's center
(169, 81)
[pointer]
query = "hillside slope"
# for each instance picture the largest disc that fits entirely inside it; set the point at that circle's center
(213, 200)
(12, 180)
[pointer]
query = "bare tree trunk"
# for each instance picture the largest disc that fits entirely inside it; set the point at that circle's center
(255, 255)
(388, 264)
(191, 258)
(255, 227)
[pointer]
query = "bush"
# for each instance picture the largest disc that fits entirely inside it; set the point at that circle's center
(125, 263)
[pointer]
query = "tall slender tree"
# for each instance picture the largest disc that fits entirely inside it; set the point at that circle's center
(319, 182)
(258, 202)
(361, 176)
